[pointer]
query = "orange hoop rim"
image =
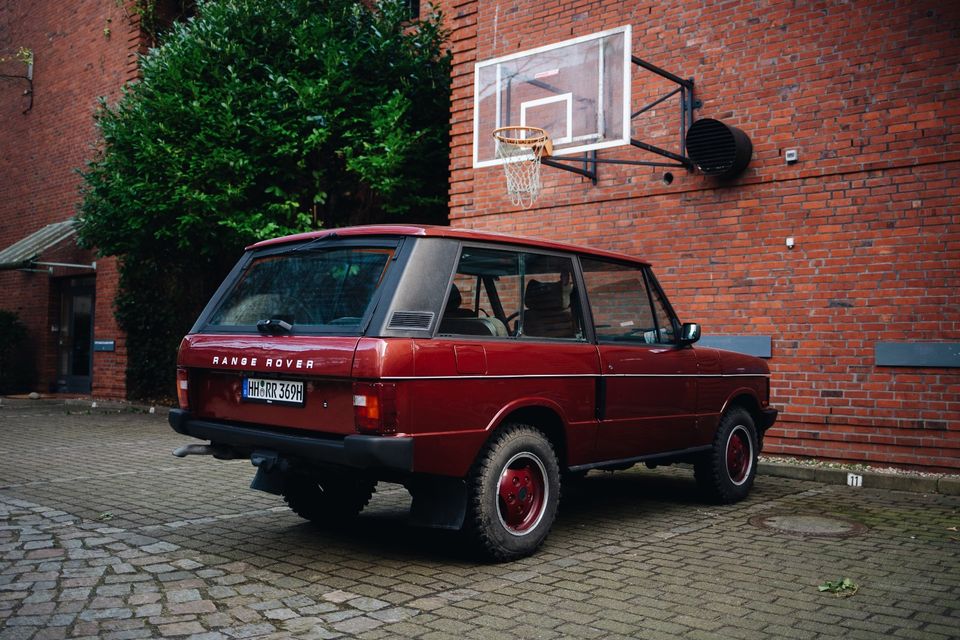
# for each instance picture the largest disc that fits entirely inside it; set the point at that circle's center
(540, 138)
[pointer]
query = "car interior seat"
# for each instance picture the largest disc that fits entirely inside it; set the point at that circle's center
(547, 312)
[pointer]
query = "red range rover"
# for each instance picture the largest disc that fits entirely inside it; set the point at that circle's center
(476, 369)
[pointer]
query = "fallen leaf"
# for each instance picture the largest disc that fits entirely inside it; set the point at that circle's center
(841, 587)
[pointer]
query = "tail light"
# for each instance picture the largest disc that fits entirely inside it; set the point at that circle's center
(375, 407)
(183, 388)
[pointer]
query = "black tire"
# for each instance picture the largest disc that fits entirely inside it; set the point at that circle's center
(513, 493)
(329, 499)
(726, 473)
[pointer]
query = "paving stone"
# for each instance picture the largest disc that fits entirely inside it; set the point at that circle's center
(148, 610)
(393, 614)
(357, 625)
(367, 604)
(183, 595)
(193, 606)
(159, 547)
(250, 630)
(105, 614)
(180, 629)
(114, 590)
(129, 634)
(280, 614)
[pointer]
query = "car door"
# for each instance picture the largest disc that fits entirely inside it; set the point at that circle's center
(648, 384)
(511, 336)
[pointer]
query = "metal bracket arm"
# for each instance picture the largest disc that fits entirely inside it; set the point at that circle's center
(590, 159)
(67, 264)
(687, 104)
(683, 160)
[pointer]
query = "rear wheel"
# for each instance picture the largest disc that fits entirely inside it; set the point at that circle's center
(514, 491)
(727, 472)
(328, 499)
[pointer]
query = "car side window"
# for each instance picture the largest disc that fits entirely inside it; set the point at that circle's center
(551, 306)
(484, 294)
(512, 294)
(620, 303)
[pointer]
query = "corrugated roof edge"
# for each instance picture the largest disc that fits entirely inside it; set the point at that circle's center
(23, 251)
(437, 231)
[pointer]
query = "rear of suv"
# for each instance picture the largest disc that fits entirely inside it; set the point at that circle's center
(476, 369)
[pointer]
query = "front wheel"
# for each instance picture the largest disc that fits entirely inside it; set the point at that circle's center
(514, 491)
(727, 471)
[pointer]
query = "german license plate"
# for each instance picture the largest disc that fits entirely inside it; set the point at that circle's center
(273, 391)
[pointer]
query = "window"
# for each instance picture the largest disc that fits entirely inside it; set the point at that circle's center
(498, 293)
(330, 287)
(621, 304)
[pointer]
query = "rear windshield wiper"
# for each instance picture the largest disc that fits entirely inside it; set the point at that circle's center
(274, 325)
(311, 243)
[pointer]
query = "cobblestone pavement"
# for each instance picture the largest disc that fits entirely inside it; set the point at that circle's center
(103, 534)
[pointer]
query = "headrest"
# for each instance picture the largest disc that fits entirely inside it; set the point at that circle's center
(543, 296)
(453, 302)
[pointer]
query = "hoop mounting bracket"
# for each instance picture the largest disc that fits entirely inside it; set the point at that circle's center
(688, 103)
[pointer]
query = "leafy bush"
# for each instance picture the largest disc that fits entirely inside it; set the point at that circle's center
(16, 364)
(256, 119)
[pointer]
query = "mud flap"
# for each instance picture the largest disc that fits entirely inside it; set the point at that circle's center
(270, 468)
(269, 481)
(438, 502)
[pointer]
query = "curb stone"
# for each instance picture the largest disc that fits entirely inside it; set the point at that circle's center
(949, 485)
(111, 406)
(94, 405)
(932, 483)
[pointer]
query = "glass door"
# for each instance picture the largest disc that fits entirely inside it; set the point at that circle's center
(75, 357)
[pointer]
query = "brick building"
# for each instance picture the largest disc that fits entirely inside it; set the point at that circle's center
(866, 92)
(869, 96)
(82, 51)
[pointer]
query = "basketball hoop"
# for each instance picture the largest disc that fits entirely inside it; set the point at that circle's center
(521, 148)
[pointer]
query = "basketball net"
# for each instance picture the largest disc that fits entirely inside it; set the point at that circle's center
(521, 149)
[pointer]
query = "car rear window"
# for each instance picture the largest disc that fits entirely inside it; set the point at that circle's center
(320, 289)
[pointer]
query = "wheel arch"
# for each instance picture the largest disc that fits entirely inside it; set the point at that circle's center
(544, 416)
(748, 400)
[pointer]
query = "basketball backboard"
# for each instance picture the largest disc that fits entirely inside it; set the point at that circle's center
(577, 90)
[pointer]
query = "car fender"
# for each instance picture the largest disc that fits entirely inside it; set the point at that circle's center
(741, 391)
(519, 404)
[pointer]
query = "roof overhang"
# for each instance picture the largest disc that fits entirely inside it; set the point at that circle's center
(23, 254)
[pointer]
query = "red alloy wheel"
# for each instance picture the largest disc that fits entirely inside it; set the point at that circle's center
(522, 493)
(739, 455)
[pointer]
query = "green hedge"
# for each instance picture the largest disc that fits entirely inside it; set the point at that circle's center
(256, 119)
(17, 372)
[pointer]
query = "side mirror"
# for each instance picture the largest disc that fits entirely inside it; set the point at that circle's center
(689, 333)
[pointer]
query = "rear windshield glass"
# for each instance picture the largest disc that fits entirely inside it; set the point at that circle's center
(322, 288)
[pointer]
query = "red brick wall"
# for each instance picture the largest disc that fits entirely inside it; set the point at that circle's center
(76, 62)
(868, 93)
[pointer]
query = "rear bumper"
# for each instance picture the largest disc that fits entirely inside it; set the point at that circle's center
(356, 451)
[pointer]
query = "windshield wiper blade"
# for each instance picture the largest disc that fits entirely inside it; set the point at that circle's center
(274, 325)
(312, 243)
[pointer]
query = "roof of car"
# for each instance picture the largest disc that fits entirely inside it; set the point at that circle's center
(435, 231)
